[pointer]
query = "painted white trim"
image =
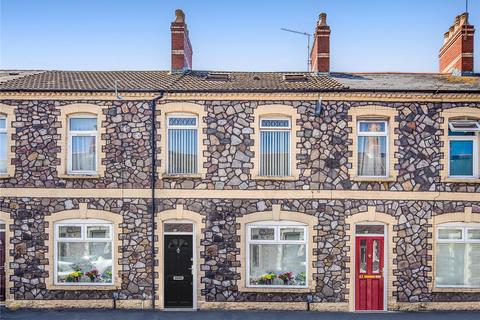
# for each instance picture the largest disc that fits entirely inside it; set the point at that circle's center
(385, 134)
(72, 134)
(475, 154)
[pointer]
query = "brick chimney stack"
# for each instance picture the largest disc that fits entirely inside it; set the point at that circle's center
(456, 54)
(181, 46)
(320, 54)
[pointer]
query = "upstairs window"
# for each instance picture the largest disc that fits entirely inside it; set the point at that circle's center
(463, 137)
(83, 252)
(373, 155)
(3, 145)
(277, 254)
(182, 144)
(458, 256)
(82, 145)
(275, 150)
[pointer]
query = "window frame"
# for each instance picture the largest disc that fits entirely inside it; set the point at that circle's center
(476, 164)
(70, 136)
(276, 225)
(197, 147)
(385, 134)
(275, 129)
(5, 131)
(454, 225)
(84, 224)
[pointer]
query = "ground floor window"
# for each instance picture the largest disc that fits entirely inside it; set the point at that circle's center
(458, 256)
(83, 252)
(277, 254)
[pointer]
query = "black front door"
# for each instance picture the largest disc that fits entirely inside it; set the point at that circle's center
(178, 271)
(2, 265)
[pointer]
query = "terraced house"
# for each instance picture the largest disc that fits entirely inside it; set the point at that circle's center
(241, 190)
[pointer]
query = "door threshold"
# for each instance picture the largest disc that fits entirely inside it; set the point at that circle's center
(180, 309)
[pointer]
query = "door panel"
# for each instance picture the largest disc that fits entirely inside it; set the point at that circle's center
(369, 277)
(2, 265)
(178, 255)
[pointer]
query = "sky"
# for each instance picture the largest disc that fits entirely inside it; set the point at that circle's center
(367, 35)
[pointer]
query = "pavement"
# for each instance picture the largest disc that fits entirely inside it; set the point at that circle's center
(89, 314)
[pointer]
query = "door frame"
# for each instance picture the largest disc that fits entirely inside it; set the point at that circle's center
(194, 262)
(386, 270)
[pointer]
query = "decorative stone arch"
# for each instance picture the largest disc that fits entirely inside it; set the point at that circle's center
(5, 218)
(371, 215)
(81, 108)
(373, 111)
(467, 216)
(277, 214)
(447, 115)
(181, 107)
(84, 213)
(283, 111)
(9, 112)
(180, 214)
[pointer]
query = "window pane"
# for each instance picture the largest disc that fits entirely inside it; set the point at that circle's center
(363, 256)
(473, 265)
(451, 234)
(182, 121)
(275, 153)
(83, 124)
(3, 152)
(69, 232)
(473, 234)
(3, 123)
(461, 158)
(83, 153)
(372, 126)
(275, 123)
(372, 156)
(178, 227)
(369, 229)
(376, 257)
(98, 232)
(278, 264)
(84, 262)
(450, 264)
(182, 151)
(292, 234)
(262, 233)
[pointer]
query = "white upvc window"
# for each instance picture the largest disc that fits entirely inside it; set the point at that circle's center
(373, 146)
(457, 256)
(3, 145)
(463, 141)
(182, 144)
(277, 254)
(82, 144)
(83, 252)
(275, 153)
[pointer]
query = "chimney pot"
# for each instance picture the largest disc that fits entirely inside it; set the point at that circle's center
(322, 19)
(456, 54)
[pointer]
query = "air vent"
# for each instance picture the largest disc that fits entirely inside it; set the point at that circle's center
(295, 77)
(217, 76)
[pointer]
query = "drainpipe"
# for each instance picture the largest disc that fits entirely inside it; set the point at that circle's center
(153, 141)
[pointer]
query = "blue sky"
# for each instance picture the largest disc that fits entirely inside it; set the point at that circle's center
(367, 35)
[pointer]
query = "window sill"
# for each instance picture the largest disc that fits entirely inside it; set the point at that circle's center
(182, 176)
(458, 290)
(87, 287)
(5, 176)
(79, 176)
(275, 289)
(373, 179)
(289, 178)
(460, 180)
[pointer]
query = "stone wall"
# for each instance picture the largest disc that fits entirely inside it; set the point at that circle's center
(322, 157)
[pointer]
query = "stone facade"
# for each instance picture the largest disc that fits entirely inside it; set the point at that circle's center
(322, 158)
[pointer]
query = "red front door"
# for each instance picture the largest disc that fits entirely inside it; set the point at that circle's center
(369, 273)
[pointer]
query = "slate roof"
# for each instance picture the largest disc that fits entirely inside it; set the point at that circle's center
(197, 81)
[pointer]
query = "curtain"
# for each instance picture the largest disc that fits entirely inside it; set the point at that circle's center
(275, 153)
(372, 152)
(182, 151)
(83, 153)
